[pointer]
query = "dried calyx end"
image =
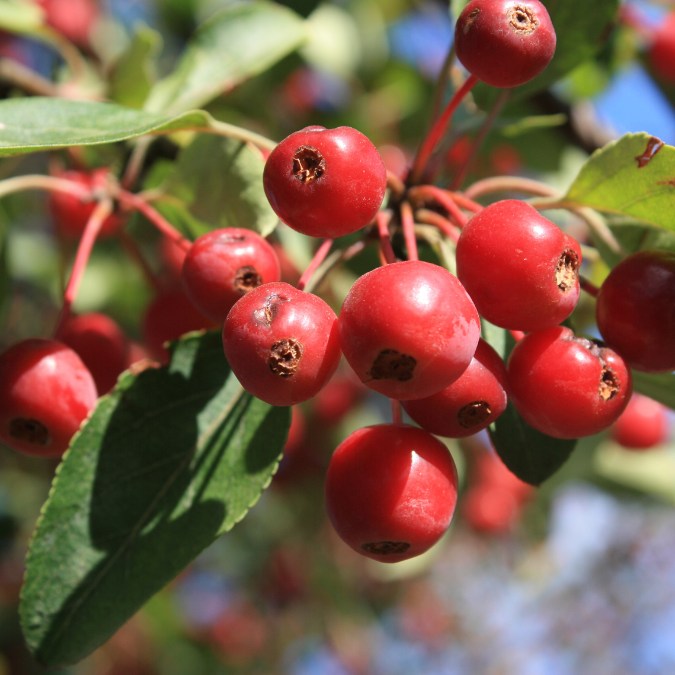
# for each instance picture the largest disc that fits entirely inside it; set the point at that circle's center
(308, 164)
(609, 384)
(522, 19)
(391, 364)
(386, 547)
(473, 414)
(567, 270)
(29, 430)
(246, 279)
(285, 357)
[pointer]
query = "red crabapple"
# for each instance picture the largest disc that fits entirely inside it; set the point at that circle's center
(520, 269)
(642, 425)
(408, 329)
(45, 394)
(505, 43)
(661, 51)
(391, 491)
(222, 265)
(566, 386)
(635, 310)
(281, 343)
(71, 214)
(470, 403)
(101, 344)
(325, 182)
(73, 19)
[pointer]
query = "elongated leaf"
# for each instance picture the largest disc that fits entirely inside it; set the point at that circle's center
(171, 459)
(633, 176)
(219, 181)
(529, 454)
(235, 44)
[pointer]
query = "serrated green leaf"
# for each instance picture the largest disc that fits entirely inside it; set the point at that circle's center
(633, 176)
(529, 454)
(659, 386)
(235, 44)
(170, 460)
(219, 182)
(133, 74)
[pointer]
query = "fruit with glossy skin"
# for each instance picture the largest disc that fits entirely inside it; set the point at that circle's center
(642, 425)
(566, 386)
(408, 329)
(635, 310)
(224, 264)
(70, 213)
(470, 403)
(45, 394)
(101, 344)
(661, 52)
(325, 182)
(281, 343)
(391, 491)
(505, 42)
(74, 19)
(520, 269)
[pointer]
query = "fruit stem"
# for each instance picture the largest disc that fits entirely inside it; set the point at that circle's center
(387, 254)
(509, 184)
(26, 79)
(40, 182)
(331, 261)
(130, 200)
(448, 228)
(134, 252)
(89, 235)
(438, 130)
(314, 264)
(588, 286)
(443, 198)
(408, 224)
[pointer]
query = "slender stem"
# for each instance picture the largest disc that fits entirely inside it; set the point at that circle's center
(135, 163)
(314, 264)
(331, 261)
(449, 229)
(27, 80)
(443, 198)
(132, 248)
(91, 231)
(395, 184)
(464, 202)
(509, 184)
(588, 286)
(40, 182)
(441, 83)
(386, 250)
(408, 224)
(396, 416)
(478, 141)
(132, 201)
(438, 130)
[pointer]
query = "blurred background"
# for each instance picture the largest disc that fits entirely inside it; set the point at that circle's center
(576, 576)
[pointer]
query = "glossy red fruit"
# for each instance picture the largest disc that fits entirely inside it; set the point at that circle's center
(71, 214)
(505, 42)
(642, 425)
(408, 329)
(520, 269)
(661, 52)
(45, 394)
(470, 403)
(281, 343)
(566, 386)
(101, 344)
(635, 310)
(225, 264)
(74, 19)
(325, 182)
(391, 491)
(490, 509)
(169, 315)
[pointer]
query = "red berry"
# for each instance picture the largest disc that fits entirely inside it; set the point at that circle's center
(391, 491)
(662, 50)
(101, 344)
(566, 386)
(74, 19)
(45, 394)
(325, 182)
(470, 403)
(490, 509)
(71, 214)
(505, 42)
(642, 425)
(408, 329)
(281, 343)
(635, 310)
(223, 265)
(520, 269)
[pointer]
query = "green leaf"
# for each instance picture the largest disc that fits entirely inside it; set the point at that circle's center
(235, 44)
(529, 454)
(659, 386)
(581, 29)
(633, 176)
(170, 460)
(133, 74)
(219, 181)
(32, 124)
